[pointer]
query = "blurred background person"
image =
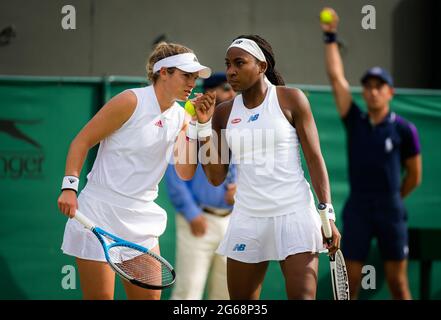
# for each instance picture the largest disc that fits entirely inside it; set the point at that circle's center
(381, 145)
(202, 219)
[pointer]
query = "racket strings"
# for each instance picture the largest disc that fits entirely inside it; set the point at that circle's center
(341, 278)
(146, 268)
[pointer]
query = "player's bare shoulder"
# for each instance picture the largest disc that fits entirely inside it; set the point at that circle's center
(116, 111)
(290, 97)
(292, 101)
(123, 104)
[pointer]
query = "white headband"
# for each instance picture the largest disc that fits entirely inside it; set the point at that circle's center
(186, 62)
(249, 46)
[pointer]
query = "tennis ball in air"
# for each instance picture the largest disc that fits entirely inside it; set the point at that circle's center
(326, 16)
(189, 107)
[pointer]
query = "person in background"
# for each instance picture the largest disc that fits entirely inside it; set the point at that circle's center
(381, 145)
(202, 219)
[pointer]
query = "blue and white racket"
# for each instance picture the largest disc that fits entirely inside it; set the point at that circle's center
(339, 274)
(132, 262)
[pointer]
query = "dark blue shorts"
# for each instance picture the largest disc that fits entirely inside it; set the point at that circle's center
(383, 218)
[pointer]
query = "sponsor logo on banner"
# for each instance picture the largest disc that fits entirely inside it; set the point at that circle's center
(23, 159)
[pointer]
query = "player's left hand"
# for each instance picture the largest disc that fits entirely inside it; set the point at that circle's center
(229, 194)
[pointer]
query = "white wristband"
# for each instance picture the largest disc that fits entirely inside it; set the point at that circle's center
(192, 131)
(330, 211)
(204, 129)
(70, 183)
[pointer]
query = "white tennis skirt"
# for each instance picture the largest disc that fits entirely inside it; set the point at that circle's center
(253, 239)
(142, 225)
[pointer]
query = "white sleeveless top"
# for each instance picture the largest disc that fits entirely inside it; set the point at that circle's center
(132, 161)
(265, 147)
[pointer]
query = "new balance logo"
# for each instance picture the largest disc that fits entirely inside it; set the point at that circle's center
(239, 247)
(159, 123)
(254, 117)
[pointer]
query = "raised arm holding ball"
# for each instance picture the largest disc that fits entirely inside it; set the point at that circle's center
(380, 145)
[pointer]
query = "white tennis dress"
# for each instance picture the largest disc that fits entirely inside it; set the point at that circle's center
(274, 214)
(123, 183)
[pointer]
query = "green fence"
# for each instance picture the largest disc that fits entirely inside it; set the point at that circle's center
(40, 116)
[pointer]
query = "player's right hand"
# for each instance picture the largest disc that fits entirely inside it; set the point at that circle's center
(336, 239)
(198, 226)
(332, 26)
(204, 106)
(68, 203)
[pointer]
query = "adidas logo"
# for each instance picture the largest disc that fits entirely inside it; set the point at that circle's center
(159, 123)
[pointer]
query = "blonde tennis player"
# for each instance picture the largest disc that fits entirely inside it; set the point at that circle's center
(138, 130)
(274, 216)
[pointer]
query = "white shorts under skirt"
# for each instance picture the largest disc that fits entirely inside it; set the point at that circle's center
(255, 239)
(141, 226)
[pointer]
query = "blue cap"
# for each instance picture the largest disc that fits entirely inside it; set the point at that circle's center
(377, 72)
(216, 79)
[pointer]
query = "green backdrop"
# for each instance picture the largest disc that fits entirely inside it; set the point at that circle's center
(40, 116)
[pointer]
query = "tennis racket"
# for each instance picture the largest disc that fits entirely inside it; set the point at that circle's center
(130, 261)
(339, 274)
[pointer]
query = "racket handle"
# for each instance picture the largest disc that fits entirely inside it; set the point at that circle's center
(325, 220)
(84, 220)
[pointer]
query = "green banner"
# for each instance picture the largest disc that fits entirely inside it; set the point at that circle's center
(39, 117)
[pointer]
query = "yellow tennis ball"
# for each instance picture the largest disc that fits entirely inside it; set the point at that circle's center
(326, 16)
(189, 107)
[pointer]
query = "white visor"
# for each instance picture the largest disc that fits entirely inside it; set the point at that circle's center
(186, 62)
(249, 46)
